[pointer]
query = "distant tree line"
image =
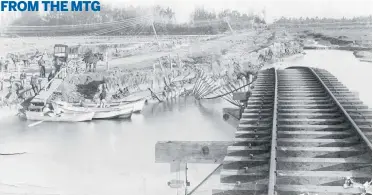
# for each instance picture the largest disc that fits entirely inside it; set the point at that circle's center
(318, 20)
(201, 21)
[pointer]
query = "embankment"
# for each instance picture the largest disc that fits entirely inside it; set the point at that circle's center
(230, 56)
(365, 56)
(351, 40)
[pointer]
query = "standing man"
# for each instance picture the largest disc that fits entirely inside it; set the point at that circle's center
(6, 65)
(50, 77)
(40, 80)
(34, 85)
(41, 64)
(103, 89)
(56, 64)
(12, 79)
(22, 77)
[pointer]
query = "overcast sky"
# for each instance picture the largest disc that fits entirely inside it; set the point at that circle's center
(274, 8)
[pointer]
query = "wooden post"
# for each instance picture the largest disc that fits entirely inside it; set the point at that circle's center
(106, 59)
(186, 179)
(229, 25)
(242, 97)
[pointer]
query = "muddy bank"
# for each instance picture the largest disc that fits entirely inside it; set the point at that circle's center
(365, 56)
(332, 40)
(340, 42)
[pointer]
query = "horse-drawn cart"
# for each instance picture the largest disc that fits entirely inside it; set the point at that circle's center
(67, 57)
(60, 56)
(61, 52)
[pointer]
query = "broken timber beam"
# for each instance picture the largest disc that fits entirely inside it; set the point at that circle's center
(209, 152)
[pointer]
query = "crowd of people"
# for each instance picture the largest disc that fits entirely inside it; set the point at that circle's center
(234, 62)
(17, 85)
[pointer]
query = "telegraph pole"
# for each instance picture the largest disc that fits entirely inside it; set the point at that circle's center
(229, 25)
(155, 33)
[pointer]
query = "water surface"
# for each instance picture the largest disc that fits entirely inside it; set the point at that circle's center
(108, 157)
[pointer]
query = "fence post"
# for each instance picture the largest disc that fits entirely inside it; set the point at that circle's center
(243, 98)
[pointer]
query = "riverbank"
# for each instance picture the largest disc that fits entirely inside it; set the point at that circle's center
(358, 41)
(365, 56)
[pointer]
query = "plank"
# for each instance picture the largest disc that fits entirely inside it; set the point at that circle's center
(45, 94)
(318, 189)
(211, 152)
(242, 189)
(338, 174)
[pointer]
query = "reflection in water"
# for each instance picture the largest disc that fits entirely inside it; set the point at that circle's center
(206, 112)
(175, 104)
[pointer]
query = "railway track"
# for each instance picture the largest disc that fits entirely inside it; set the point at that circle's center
(302, 132)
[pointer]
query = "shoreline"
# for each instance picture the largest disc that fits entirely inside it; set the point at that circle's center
(362, 50)
(364, 56)
(361, 53)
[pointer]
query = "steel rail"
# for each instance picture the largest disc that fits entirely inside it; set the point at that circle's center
(272, 162)
(356, 127)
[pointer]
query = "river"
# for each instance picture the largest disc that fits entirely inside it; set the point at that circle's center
(117, 157)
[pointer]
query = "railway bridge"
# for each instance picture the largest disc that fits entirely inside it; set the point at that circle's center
(302, 132)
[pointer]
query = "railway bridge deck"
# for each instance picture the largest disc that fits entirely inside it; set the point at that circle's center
(302, 131)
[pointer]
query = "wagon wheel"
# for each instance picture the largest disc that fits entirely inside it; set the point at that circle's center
(74, 67)
(79, 67)
(70, 67)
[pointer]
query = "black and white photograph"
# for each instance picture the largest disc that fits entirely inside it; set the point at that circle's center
(186, 97)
